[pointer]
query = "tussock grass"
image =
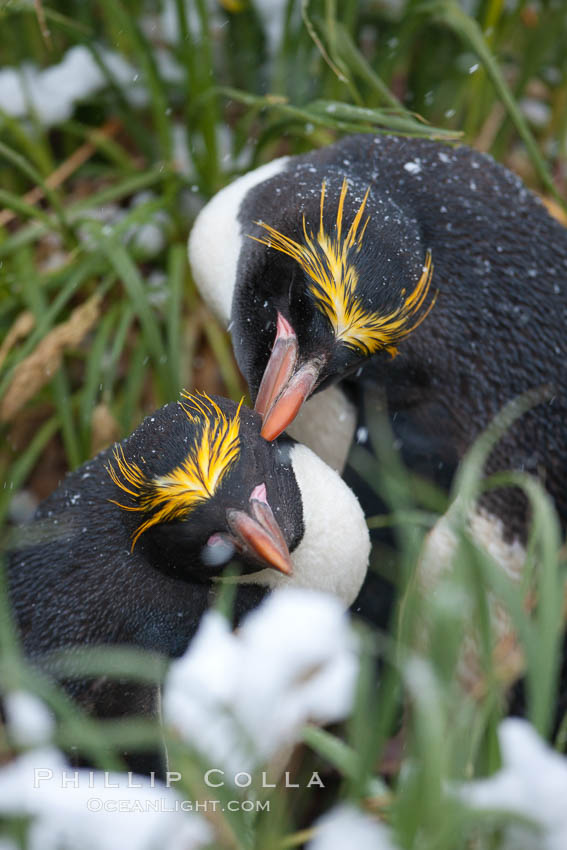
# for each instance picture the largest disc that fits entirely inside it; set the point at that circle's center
(236, 100)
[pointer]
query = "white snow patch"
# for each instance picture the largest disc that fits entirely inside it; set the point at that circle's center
(345, 826)
(240, 699)
(23, 506)
(164, 26)
(29, 720)
(272, 15)
(181, 156)
(94, 810)
(532, 783)
(413, 167)
(52, 93)
(146, 238)
(536, 111)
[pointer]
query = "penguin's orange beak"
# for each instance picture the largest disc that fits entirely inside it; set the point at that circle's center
(257, 534)
(284, 388)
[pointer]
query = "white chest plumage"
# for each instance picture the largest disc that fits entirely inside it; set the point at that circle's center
(216, 239)
(333, 554)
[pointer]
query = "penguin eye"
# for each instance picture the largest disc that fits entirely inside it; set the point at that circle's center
(218, 550)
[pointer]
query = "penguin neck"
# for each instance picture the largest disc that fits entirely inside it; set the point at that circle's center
(332, 556)
(215, 241)
(326, 424)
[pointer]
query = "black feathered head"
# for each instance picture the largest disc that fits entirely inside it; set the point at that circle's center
(338, 292)
(202, 485)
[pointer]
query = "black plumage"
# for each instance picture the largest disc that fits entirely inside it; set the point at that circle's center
(127, 551)
(483, 326)
(82, 574)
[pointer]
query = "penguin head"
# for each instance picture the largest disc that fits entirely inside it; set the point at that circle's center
(331, 293)
(198, 487)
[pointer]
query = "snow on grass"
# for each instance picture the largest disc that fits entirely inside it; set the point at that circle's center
(239, 699)
(532, 783)
(272, 15)
(346, 826)
(91, 810)
(52, 94)
(28, 720)
(144, 239)
(413, 167)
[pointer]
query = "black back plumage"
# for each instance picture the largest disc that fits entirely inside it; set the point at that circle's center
(497, 328)
(76, 580)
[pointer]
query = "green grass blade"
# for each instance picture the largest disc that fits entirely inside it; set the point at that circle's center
(134, 285)
(19, 206)
(28, 170)
(125, 320)
(92, 383)
(449, 13)
(25, 462)
(47, 319)
(176, 278)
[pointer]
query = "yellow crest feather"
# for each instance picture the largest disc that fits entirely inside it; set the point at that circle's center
(173, 495)
(328, 262)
